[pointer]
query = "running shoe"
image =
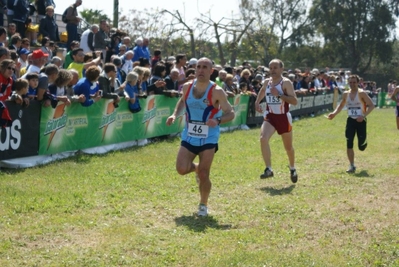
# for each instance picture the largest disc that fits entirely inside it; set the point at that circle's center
(294, 176)
(268, 173)
(202, 210)
(351, 169)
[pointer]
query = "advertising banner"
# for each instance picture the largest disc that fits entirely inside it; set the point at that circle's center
(20, 138)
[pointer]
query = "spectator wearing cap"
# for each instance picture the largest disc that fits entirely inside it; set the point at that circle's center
(39, 59)
(87, 39)
(192, 63)
(23, 57)
(48, 26)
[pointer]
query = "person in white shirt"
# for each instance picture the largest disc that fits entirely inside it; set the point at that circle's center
(23, 57)
(87, 39)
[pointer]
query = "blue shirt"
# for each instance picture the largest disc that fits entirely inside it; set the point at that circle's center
(85, 87)
(133, 91)
(198, 112)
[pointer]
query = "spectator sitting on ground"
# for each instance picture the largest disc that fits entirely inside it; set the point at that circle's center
(132, 92)
(20, 94)
(78, 61)
(107, 83)
(88, 86)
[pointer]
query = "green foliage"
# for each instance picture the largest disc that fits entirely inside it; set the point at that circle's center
(93, 16)
(357, 30)
(131, 208)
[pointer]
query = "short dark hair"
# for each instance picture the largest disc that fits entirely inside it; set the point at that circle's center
(75, 51)
(3, 31)
(108, 67)
(92, 73)
(20, 84)
(32, 75)
(157, 52)
(179, 57)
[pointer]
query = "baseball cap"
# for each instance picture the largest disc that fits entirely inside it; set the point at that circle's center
(24, 51)
(193, 61)
(38, 54)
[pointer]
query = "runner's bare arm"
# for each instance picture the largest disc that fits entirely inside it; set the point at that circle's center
(370, 105)
(289, 93)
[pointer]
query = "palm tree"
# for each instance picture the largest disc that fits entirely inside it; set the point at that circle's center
(93, 16)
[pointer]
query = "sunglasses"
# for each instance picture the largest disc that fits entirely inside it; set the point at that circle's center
(11, 68)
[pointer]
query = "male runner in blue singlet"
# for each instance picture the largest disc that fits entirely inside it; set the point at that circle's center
(206, 107)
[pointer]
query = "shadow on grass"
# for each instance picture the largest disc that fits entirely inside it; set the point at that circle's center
(364, 174)
(200, 224)
(278, 191)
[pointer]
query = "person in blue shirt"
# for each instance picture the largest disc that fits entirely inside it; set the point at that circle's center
(132, 92)
(206, 107)
(88, 86)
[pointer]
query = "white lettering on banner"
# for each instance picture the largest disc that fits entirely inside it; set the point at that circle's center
(298, 104)
(197, 129)
(307, 102)
(319, 100)
(12, 137)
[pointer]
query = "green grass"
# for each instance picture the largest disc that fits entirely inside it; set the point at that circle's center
(131, 208)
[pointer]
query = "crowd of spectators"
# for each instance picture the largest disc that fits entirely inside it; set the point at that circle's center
(104, 63)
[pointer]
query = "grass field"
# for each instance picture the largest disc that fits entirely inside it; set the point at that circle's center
(131, 208)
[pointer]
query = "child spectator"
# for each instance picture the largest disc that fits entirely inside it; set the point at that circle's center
(33, 81)
(244, 88)
(20, 95)
(58, 87)
(87, 85)
(131, 92)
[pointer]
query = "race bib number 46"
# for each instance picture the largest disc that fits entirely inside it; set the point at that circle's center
(355, 112)
(198, 129)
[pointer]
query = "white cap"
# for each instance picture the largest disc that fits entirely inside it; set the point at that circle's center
(193, 61)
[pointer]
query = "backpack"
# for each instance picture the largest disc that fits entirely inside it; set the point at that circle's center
(64, 19)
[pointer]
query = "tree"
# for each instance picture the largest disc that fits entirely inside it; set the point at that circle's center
(355, 31)
(93, 16)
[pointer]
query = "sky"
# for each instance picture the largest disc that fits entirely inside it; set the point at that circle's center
(188, 8)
